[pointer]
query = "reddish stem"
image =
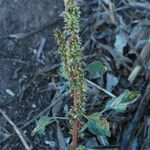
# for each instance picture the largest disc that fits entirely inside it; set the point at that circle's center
(75, 124)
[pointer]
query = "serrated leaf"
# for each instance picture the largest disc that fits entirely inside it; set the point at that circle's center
(40, 125)
(61, 71)
(130, 96)
(96, 66)
(97, 125)
(120, 103)
(121, 107)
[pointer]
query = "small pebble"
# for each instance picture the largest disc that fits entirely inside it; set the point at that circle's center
(33, 105)
(67, 140)
(10, 92)
(50, 143)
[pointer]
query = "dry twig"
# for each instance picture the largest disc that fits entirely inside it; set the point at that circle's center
(16, 130)
(100, 88)
(39, 114)
(145, 53)
(41, 47)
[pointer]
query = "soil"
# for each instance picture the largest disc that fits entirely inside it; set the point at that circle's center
(29, 79)
(19, 66)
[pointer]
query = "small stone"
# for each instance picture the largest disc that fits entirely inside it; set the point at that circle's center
(10, 92)
(50, 143)
(33, 105)
(67, 140)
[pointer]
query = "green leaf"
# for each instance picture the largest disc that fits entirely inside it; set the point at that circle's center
(96, 66)
(130, 96)
(120, 103)
(69, 147)
(81, 147)
(61, 71)
(119, 107)
(40, 125)
(97, 125)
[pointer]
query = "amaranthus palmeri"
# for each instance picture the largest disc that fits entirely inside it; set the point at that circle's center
(69, 43)
(70, 49)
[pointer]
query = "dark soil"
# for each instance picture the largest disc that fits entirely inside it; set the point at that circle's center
(29, 83)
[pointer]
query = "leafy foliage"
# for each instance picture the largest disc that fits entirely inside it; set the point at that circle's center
(96, 66)
(120, 103)
(81, 147)
(71, 69)
(62, 72)
(40, 125)
(97, 125)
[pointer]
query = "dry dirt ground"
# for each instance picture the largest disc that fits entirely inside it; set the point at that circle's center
(22, 92)
(29, 60)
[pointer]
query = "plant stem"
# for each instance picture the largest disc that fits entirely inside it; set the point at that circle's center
(104, 110)
(75, 123)
(62, 118)
(70, 49)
